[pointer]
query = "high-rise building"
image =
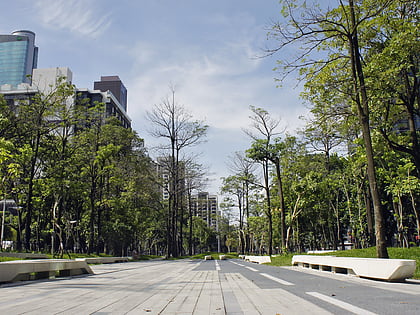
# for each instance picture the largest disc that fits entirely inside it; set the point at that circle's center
(113, 107)
(114, 84)
(18, 57)
(205, 206)
(164, 171)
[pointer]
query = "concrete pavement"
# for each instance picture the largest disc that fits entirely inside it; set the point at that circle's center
(201, 287)
(174, 287)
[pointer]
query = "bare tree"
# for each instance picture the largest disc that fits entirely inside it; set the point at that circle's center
(172, 122)
(240, 185)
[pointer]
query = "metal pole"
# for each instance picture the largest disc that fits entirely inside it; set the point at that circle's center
(217, 228)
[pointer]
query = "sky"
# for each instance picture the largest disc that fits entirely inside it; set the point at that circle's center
(210, 52)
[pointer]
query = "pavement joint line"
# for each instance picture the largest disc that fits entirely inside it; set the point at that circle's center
(344, 305)
(171, 296)
(243, 292)
(276, 279)
(202, 285)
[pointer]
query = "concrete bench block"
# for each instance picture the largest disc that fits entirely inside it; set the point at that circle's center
(258, 259)
(208, 257)
(376, 268)
(222, 257)
(18, 270)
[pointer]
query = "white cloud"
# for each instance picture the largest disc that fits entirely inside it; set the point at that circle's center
(217, 88)
(82, 17)
(216, 83)
(210, 83)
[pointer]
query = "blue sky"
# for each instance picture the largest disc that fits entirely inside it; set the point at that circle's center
(207, 50)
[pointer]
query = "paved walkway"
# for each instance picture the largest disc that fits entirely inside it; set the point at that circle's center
(158, 287)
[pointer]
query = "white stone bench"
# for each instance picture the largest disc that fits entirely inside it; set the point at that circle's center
(103, 260)
(18, 270)
(376, 268)
(258, 259)
(222, 257)
(208, 257)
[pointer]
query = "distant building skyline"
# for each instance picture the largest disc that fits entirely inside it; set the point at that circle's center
(45, 80)
(21, 80)
(18, 57)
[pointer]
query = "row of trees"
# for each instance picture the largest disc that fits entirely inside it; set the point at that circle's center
(356, 170)
(82, 182)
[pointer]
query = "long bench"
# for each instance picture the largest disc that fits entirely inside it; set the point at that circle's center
(375, 268)
(103, 260)
(19, 270)
(258, 259)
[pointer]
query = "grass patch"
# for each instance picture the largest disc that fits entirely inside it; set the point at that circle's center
(9, 258)
(393, 252)
(214, 256)
(75, 255)
(147, 257)
(282, 260)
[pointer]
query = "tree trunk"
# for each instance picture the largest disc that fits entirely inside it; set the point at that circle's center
(29, 203)
(363, 113)
(369, 218)
(270, 223)
(190, 220)
(282, 206)
(19, 233)
(91, 247)
(268, 211)
(247, 237)
(415, 152)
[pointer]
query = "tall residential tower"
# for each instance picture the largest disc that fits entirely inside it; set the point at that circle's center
(18, 57)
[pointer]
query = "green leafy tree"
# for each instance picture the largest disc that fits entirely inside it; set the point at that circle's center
(392, 67)
(261, 152)
(338, 34)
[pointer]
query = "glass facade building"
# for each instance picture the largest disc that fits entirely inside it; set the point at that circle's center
(18, 57)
